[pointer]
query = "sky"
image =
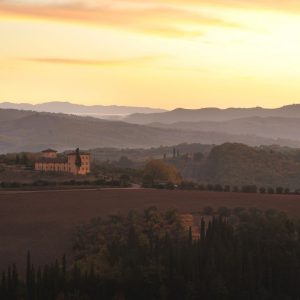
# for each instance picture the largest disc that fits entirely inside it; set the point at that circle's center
(155, 53)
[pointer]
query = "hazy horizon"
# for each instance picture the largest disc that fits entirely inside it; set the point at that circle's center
(16, 102)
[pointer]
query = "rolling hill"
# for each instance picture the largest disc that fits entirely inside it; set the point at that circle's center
(213, 114)
(34, 131)
(236, 164)
(97, 111)
(270, 127)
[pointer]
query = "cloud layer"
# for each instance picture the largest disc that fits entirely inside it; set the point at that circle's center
(162, 19)
(87, 62)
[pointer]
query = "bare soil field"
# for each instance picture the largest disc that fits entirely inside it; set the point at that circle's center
(42, 221)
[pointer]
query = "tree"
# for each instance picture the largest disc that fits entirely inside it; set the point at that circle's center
(153, 255)
(17, 159)
(78, 162)
(198, 156)
(218, 188)
(249, 189)
(224, 211)
(124, 180)
(208, 210)
(125, 162)
(227, 188)
(157, 171)
(24, 159)
(262, 190)
(236, 189)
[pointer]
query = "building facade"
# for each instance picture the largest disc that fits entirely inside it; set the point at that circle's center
(50, 161)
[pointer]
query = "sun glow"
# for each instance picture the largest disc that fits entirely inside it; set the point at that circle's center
(159, 53)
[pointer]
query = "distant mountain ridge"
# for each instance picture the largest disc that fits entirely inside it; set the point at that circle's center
(213, 114)
(35, 131)
(98, 111)
(146, 115)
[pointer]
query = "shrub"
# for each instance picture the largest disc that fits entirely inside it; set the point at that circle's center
(218, 188)
(249, 189)
(262, 190)
(236, 189)
(224, 211)
(208, 210)
(188, 185)
(227, 188)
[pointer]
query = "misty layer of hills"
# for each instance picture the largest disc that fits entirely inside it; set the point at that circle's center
(277, 124)
(270, 127)
(28, 130)
(34, 131)
(213, 114)
(97, 111)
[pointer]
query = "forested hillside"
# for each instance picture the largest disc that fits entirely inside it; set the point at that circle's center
(34, 131)
(231, 164)
(237, 165)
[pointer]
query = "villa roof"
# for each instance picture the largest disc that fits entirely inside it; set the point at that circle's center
(48, 160)
(81, 153)
(49, 151)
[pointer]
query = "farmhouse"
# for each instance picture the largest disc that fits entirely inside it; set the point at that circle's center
(76, 162)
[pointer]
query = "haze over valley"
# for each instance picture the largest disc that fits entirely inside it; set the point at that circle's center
(97, 111)
(32, 130)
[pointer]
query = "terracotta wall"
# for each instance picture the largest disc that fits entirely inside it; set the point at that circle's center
(49, 154)
(85, 164)
(70, 166)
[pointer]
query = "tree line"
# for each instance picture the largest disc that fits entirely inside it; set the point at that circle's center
(251, 188)
(249, 254)
(122, 181)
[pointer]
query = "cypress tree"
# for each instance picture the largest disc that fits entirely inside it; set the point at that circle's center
(3, 286)
(202, 229)
(78, 162)
(17, 159)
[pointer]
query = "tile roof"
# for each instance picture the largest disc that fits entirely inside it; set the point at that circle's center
(81, 153)
(48, 160)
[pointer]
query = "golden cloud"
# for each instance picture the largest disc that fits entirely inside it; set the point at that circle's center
(167, 21)
(292, 6)
(87, 62)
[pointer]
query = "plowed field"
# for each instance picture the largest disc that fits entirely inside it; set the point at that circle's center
(42, 222)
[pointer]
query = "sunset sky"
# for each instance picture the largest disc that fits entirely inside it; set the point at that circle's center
(158, 53)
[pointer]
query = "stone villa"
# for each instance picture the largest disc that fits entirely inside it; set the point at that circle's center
(50, 161)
